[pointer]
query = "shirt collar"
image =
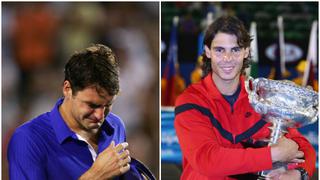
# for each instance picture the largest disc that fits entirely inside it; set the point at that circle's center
(62, 130)
(214, 92)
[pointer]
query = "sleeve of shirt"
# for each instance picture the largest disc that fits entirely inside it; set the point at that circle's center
(201, 149)
(306, 148)
(24, 158)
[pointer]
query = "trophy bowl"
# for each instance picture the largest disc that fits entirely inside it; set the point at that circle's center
(296, 106)
(284, 104)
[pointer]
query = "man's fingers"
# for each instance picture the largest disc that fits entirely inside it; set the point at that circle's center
(297, 161)
(299, 154)
(121, 146)
(112, 144)
(118, 148)
(108, 149)
(127, 160)
(276, 172)
(125, 168)
(124, 154)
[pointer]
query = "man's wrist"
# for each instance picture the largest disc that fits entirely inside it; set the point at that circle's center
(274, 153)
(89, 174)
(303, 172)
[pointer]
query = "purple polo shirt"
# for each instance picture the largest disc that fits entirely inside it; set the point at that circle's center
(46, 148)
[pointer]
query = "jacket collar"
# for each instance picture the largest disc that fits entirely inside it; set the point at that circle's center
(213, 91)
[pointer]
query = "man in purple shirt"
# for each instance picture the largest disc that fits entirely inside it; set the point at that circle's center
(80, 138)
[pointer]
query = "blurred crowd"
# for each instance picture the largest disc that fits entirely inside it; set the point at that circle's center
(39, 38)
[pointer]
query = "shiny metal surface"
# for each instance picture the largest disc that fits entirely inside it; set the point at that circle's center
(296, 106)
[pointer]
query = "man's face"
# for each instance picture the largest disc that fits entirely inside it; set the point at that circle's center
(88, 107)
(226, 57)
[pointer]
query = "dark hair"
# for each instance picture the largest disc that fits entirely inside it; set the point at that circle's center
(94, 66)
(229, 25)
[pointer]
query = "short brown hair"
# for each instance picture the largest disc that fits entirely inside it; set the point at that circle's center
(94, 66)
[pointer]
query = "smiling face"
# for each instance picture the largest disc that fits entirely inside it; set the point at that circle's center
(87, 108)
(226, 58)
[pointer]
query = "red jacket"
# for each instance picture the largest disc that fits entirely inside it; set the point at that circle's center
(212, 134)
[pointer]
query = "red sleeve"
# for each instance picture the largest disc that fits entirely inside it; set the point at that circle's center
(306, 148)
(199, 146)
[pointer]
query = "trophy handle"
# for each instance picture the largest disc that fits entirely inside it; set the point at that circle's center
(250, 88)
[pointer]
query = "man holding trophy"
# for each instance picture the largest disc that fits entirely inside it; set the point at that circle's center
(224, 131)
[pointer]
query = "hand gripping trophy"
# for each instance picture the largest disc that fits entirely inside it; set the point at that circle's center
(284, 104)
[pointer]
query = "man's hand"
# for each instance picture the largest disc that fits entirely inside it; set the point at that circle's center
(111, 162)
(286, 150)
(287, 175)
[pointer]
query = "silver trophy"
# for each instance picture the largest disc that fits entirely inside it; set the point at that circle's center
(284, 104)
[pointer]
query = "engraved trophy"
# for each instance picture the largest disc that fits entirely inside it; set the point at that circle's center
(284, 104)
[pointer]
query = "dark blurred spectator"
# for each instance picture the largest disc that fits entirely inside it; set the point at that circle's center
(33, 41)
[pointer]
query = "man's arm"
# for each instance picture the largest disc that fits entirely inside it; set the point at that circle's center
(25, 158)
(306, 148)
(200, 146)
(306, 167)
